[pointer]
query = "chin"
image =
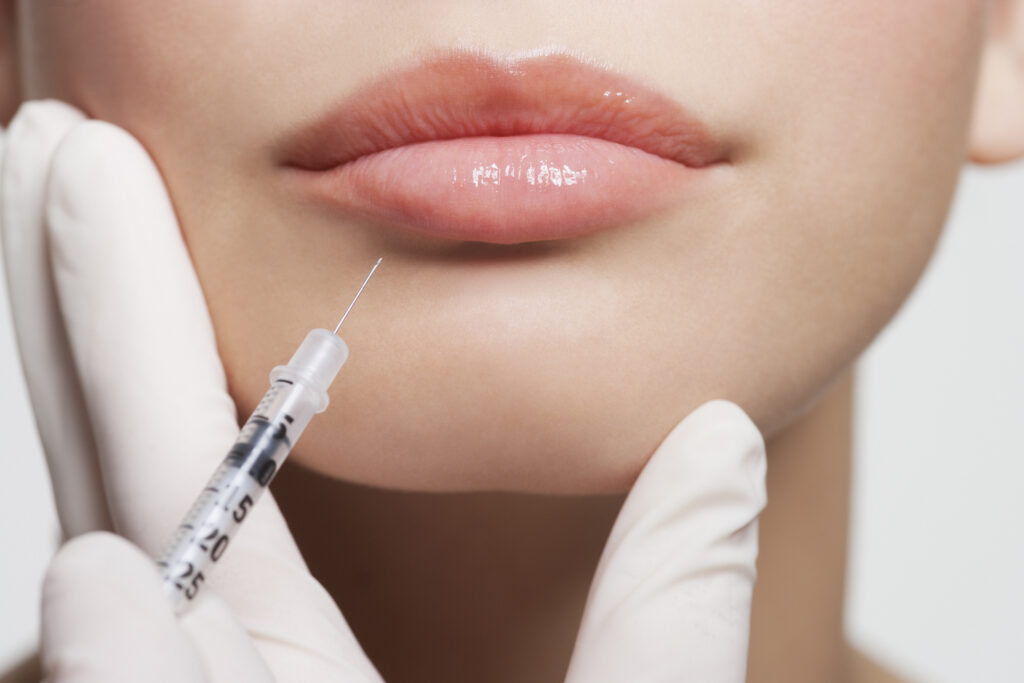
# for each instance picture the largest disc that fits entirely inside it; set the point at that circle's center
(499, 429)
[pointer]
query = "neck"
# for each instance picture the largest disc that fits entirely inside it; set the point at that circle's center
(491, 586)
(796, 631)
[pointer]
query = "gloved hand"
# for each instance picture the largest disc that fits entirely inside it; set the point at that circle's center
(134, 415)
(670, 600)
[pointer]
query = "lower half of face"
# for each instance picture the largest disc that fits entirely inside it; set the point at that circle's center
(557, 365)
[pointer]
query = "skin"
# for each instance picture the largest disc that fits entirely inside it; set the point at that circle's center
(559, 368)
(733, 294)
(392, 567)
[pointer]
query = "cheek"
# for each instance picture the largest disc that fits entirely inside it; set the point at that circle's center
(866, 115)
(107, 54)
(179, 76)
(848, 123)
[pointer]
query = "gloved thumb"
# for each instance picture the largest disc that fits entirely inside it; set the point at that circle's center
(105, 619)
(671, 596)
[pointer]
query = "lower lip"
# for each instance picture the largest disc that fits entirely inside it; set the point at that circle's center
(504, 190)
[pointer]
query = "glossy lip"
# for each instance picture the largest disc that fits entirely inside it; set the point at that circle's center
(467, 146)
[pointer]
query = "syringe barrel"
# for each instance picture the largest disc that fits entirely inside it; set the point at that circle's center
(297, 392)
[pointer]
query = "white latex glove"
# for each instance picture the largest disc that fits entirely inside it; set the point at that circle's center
(671, 597)
(126, 318)
(134, 415)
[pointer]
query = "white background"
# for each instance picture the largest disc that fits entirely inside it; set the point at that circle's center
(937, 556)
(936, 585)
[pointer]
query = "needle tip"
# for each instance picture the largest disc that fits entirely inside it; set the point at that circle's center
(356, 297)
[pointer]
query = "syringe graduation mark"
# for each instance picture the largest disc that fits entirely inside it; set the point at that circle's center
(298, 391)
(356, 298)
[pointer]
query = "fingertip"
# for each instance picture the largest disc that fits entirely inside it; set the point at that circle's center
(722, 413)
(36, 118)
(103, 178)
(93, 574)
(226, 649)
(93, 141)
(108, 213)
(717, 438)
(105, 616)
(94, 556)
(735, 431)
(717, 425)
(36, 129)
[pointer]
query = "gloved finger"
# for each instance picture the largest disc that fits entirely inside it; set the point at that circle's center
(138, 328)
(671, 596)
(227, 651)
(105, 618)
(145, 350)
(53, 387)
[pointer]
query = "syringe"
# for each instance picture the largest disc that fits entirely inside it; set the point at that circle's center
(297, 391)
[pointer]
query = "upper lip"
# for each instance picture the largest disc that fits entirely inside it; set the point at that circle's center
(460, 94)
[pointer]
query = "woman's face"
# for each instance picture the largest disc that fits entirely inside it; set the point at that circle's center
(558, 365)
